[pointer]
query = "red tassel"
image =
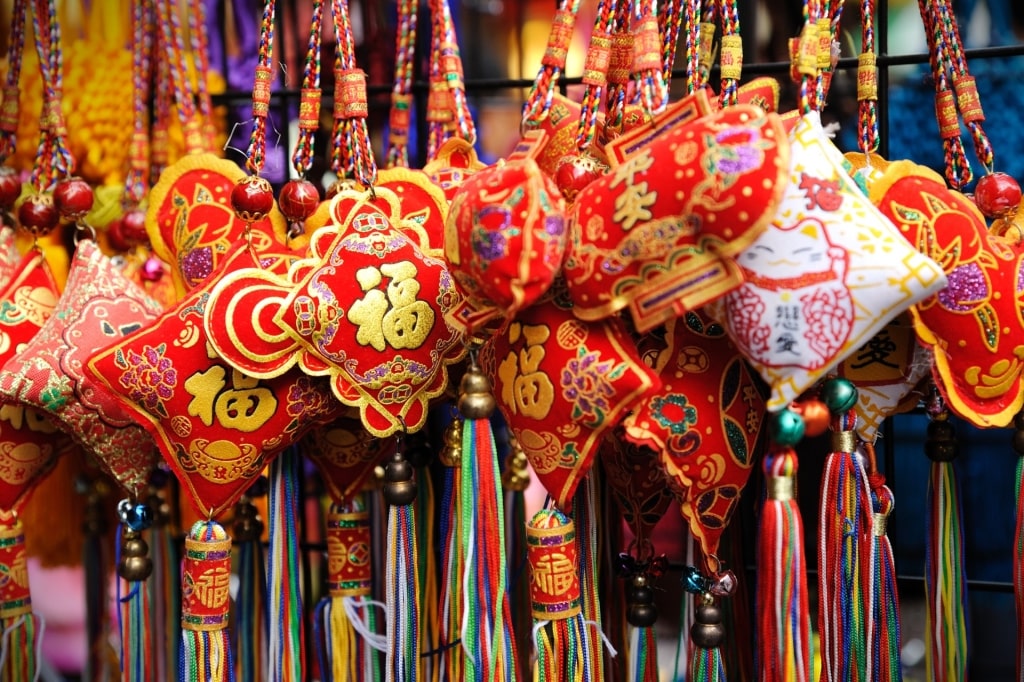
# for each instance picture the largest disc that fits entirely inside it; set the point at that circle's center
(784, 641)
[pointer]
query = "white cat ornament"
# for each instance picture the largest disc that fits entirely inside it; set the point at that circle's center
(827, 274)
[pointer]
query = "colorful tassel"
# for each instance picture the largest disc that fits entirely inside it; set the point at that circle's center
(843, 518)
(287, 640)
(487, 636)
(707, 635)
(348, 639)
(164, 592)
(643, 654)
(205, 590)
(134, 567)
(402, 575)
(515, 479)
(452, 559)
(783, 617)
(587, 514)
(945, 581)
(1018, 554)
(559, 628)
(426, 518)
(22, 630)
(250, 635)
(883, 611)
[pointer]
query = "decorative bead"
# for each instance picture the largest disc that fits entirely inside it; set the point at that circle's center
(153, 269)
(135, 564)
(840, 395)
(641, 611)
(10, 188)
(298, 200)
(399, 484)
(37, 214)
(136, 516)
(133, 226)
(115, 235)
(707, 631)
(996, 194)
(252, 198)
(574, 172)
(73, 198)
(475, 398)
(941, 445)
(724, 584)
(693, 580)
(816, 416)
(786, 427)
(451, 453)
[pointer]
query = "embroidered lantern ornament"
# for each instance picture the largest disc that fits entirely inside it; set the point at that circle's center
(504, 242)
(366, 307)
(656, 233)
(706, 423)
(215, 426)
(972, 326)
(99, 306)
(828, 273)
(561, 384)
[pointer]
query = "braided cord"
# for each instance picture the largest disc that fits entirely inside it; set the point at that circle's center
(732, 52)
(309, 105)
(648, 59)
(538, 101)
(670, 23)
(169, 15)
(164, 92)
(808, 73)
(352, 155)
(447, 107)
(53, 160)
(958, 170)
(199, 42)
(595, 75)
(136, 182)
(401, 93)
(261, 91)
(619, 68)
(867, 82)
(11, 92)
(968, 101)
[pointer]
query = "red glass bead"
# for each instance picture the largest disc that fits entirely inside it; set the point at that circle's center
(115, 235)
(10, 188)
(996, 194)
(252, 198)
(152, 269)
(73, 198)
(133, 227)
(298, 200)
(574, 172)
(37, 214)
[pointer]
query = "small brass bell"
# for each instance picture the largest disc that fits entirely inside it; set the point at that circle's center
(941, 445)
(451, 453)
(516, 476)
(640, 610)
(475, 398)
(399, 482)
(135, 565)
(707, 630)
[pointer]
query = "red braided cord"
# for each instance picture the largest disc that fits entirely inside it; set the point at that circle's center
(261, 91)
(53, 160)
(401, 93)
(595, 75)
(352, 155)
(136, 182)
(867, 82)
(730, 57)
(302, 157)
(538, 101)
(9, 111)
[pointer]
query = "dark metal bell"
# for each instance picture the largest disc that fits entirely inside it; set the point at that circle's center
(641, 615)
(399, 485)
(707, 630)
(135, 564)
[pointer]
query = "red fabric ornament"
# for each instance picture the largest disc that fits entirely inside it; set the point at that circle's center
(366, 307)
(29, 442)
(454, 162)
(346, 454)
(656, 234)
(216, 426)
(561, 384)
(706, 421)
(560, 127)
(191, 222)
(973, 326)
(99, 306)
(505, 241)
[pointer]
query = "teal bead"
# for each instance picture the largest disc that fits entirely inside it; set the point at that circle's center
(840, 395)
(786, 427)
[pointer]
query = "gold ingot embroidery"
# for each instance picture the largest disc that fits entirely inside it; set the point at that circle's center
(246, 406)
(34, 420)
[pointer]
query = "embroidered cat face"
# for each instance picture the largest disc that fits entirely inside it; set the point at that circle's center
(801, 248)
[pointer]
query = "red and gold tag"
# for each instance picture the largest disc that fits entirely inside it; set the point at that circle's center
(656, 234)
(707, 423)
(216, 426)
(561, 384)
(554, 566)
(99, 306)
(349, 551)
(973, 326)
(206, 584)
(504, 241)
(190, 221)
(15, 597)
